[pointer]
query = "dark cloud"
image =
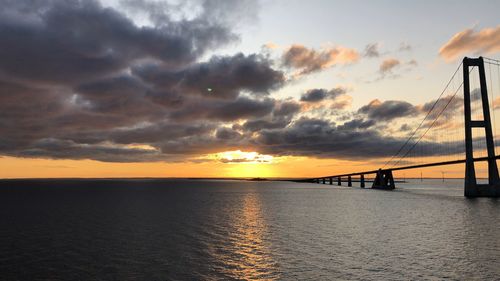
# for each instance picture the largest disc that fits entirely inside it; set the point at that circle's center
(357, 124)
(317, 95)
(286, 109)
(224, 110)
(123, 95)
(445, 109)
(282, 115)
(158, 132)
(81, 81)
(388, 110)
(221, 77)
(323, 139)
(66, 149)
(227, 134)
(67, 42)
(258, 125)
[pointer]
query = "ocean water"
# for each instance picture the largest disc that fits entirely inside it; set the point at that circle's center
(241, 230)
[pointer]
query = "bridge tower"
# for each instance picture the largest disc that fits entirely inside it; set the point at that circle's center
(472, 188)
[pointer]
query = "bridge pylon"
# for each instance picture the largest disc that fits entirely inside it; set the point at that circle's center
(472, 188)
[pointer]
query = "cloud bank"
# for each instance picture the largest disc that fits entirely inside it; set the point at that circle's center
(79, 80)
(486, 41)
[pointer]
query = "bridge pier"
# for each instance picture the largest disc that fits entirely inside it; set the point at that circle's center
(324, 180)
(331, 180)
(349, 181)
(472, 188)
(384, 180)
(339, 181)
(362, 181)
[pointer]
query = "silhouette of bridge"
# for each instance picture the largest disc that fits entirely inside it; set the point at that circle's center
(445, 135)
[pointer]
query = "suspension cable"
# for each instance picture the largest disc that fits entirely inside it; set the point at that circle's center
(427, 115)
(434, 121)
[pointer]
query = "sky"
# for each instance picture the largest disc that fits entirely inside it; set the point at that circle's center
(199, 88)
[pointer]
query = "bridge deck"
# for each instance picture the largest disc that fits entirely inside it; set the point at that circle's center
(453, 162)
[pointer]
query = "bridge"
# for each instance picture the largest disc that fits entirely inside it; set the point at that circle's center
(449, 134)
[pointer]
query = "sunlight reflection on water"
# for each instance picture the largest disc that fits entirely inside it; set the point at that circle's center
(230, 230)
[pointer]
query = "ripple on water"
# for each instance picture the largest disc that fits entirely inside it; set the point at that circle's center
(213, 230)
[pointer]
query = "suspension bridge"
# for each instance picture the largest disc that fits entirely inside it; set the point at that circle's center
(455, 130)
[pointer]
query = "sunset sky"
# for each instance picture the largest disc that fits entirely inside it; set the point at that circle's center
(282, 88)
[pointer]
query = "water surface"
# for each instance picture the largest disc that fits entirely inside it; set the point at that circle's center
(213, 230)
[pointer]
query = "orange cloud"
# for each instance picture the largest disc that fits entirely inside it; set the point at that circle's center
(496, 103)
(484, 41)
(311, 60)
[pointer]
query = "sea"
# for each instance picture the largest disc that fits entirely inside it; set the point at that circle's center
(181, 229)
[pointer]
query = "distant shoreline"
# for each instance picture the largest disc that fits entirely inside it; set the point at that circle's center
(202, 178)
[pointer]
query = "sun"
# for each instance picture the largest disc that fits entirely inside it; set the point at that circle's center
(238, 156)
(243, 164)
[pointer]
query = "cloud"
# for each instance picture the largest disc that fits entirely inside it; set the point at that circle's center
(66, 149)
(323, 101)
(157, 132)
(221, 77)
(83, 81)
(469, 40)
(317, 95)
(496, 103)
(356, 124)
(404, 46)
(388, 110)
(258, 125)
(223, 110)
(239, 156)
(227, 134)
(372, 50)
(282, 115)
(388, 65)
(69, 42)
(306, 60)
(323, 139)
(286, 108)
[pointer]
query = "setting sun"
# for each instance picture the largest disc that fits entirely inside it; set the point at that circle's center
(238, 156)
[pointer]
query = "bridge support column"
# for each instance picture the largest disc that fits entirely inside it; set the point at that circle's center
(349, 181)
(339, 181)
(331, 181)
(324, 181)
(362, 181)
(472, 188)
(384, 180)
(317, 181)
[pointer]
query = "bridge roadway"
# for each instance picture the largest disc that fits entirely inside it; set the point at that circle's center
(453, 162)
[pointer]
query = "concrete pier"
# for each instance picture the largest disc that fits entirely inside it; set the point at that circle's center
(384, 180)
